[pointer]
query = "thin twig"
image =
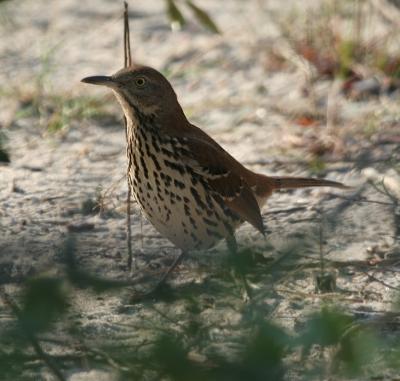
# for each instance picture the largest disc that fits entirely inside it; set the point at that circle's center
(375, 279)
(312, 295)
(127, 42)
(385, 191)
(321, 254)
(286, 211)
(129, 228)
(361, 199)
(167, 318)
(128, 62)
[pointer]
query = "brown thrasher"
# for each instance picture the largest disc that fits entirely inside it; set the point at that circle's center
(187, 185)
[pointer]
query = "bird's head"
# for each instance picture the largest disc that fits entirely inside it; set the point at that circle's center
(140, 89)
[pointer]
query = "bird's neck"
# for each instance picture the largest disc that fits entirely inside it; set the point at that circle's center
(172, 120)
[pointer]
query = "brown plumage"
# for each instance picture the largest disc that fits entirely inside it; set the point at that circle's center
(188, 186)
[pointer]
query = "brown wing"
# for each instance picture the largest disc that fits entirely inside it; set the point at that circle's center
(223, 173)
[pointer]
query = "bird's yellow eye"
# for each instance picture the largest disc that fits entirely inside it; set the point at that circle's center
(140, 81)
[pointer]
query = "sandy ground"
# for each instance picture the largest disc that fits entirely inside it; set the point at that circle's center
(225, 87)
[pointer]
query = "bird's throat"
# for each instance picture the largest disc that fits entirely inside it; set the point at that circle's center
(126, 107)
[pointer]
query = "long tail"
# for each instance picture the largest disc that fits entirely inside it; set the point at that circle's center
(302, 182)
(266, 185)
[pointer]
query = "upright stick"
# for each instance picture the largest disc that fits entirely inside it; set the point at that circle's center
(128, 62)
(127, 42)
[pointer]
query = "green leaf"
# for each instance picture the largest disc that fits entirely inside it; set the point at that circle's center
(203, 17)
(174, 14)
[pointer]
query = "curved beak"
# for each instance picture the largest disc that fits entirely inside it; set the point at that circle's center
(99, 80)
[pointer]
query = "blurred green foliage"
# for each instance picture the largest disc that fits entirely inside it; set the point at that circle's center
(259, 350)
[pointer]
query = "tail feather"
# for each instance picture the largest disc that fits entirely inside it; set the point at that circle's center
(303, 182)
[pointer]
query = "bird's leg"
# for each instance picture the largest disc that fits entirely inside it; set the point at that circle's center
(233, 249)
(153, 291)
(175, 263)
